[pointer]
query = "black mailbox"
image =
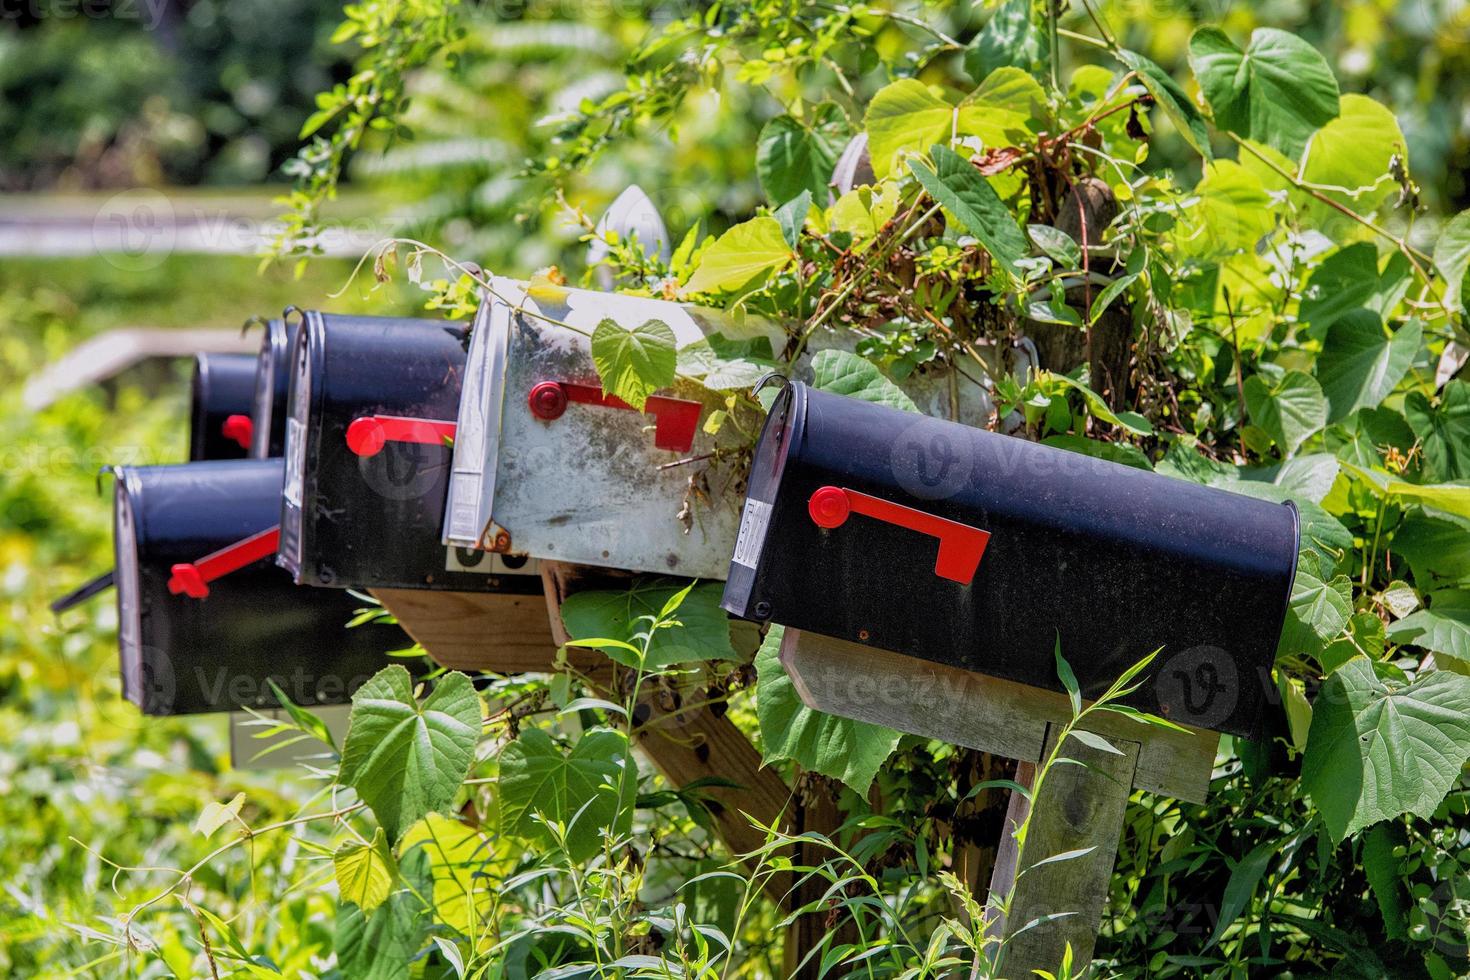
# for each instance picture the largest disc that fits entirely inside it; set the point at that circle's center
(980, 551)
(272, 376)
(220, 400)
(369, 440)
(205, 616)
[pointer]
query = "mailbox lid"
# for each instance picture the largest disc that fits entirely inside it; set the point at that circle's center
(223, 385)
(1114, 561)
(372, 519)
(585, 486)
(271, 387)
(181, 655)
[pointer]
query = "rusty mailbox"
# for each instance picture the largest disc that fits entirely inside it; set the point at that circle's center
(220, 396)
(204, 615)
(981, 551)
(371, 417)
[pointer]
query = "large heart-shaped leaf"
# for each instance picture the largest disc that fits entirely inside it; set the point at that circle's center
(1452, 256)
(1279, 90)
(1323, 606)
(1361, 362)
(464, 865)
(1289, 408)
(1349, 279)
(848, 374)
(751, 249)
(905, 116)
(588, 790)
(635, 363)
(1443, 628)
(1378, 750)
(965, 193)
(792, 156)
(407, 759)
(842, 748)
(1349, 158)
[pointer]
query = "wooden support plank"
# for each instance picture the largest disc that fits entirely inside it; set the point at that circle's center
(1079, 807)
(482, 631)
(984, 713)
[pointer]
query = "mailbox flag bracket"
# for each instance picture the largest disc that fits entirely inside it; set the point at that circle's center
(675, 419)
(960, 545)
(193, 578)
(239, 429)
(367, 435)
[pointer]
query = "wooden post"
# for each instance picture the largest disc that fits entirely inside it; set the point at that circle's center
(1081, 807)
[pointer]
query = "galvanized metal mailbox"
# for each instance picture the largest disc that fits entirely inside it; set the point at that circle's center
(981, 551)
(205, 616)
(371, 414)
(271, 380)
(220, 398)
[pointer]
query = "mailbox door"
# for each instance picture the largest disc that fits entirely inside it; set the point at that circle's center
(366, 500)
(220, 397)
(272, 380)
(182, 655)
(587, 485)
(862, 523)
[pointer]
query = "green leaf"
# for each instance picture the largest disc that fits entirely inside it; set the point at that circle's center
(1323, 606)
(749, 250)
(791, 157)
(1112, 291)
(365, 871)
(1438, 551)
(1289, 410)
(1057, 244)
(1443, 430)
(724, 364)
(464, 866)
(905, 116)
(1348, 279)
(1094, 741)
(1176, 104)
(1384, 873)
(1452, 256)
(1117, 452)
(1377, 751)
(304, 720)
(1009, 39)
(792, 217)
(965, 193)
(1244, 878)
(635, 363)
(703, 633)
(215, 815)
(1278, 91)
(1068, 678)
(842, 748)
(1361, 363)
(1443, 628)
(407, 759)
(848, 374)
(589, 789)
(1131, 421)
(379, 945)
(1232, 214)
(1349, 158)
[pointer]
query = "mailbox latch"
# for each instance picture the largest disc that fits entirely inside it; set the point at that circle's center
(960, 545)
(675, 419)
(193, 578)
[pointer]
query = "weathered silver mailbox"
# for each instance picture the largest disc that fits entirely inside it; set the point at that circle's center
(546, 465)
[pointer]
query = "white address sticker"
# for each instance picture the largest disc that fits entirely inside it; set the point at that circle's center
(295, 459)
(753, 523)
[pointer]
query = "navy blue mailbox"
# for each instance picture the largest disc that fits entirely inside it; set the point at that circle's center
(220, 398)
(204, 615)
(271, 379)
(964, 547)
(371, 423)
